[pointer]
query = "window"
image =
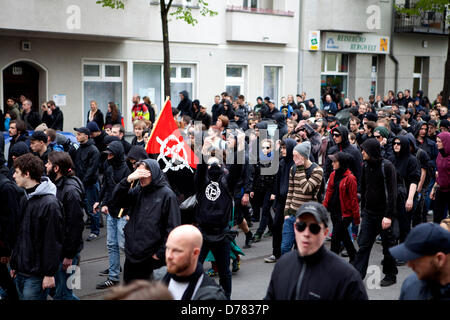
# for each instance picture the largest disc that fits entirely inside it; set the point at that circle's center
(417, 75)
(373, 84)
(272, 82)
(147, 80)
(102, 82)
(250, 4)
(334, 73)
(235, 80)
(181, 79)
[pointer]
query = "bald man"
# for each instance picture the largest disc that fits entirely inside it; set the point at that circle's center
(185, 277)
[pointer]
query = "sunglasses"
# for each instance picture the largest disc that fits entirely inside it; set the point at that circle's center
(267, 148)
(377, 137)
(336, 135)
(396, 143)
(314, 228)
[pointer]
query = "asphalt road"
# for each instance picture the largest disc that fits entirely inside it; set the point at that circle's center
(249, 283)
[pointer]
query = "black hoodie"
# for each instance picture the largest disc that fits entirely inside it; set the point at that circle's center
(373, 183)
(285, 166)
(86, 163)
(114, 173)
(153, 212)
(280, 119)
(345, 146)
(407, 165)
(185, 105)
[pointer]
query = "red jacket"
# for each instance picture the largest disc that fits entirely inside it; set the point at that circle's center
(347, 195)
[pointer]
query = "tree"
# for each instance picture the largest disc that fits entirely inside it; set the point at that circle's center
(442, 6)
(181, 13)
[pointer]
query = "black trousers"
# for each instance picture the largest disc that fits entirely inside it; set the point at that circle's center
(261, 199)
(370, 228)
(277, 226)
(340, 234)
(442, 202)
(7, 283)
(141, 270)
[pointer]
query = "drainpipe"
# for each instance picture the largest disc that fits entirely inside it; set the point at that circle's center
(300, 51)
(391, 55)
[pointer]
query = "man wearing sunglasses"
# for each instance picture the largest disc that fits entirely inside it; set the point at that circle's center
(313, 272)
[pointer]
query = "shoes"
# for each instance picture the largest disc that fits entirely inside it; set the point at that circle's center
(92, 236)
(211, 272)
(236, 265)
(248, 240)
(430, 212)
(106, 284)
(268, 234)
(257, 237)
(400, 263)
(388, 281)
(106, 272)
(378, 240)
(270, 259)
(344, 253)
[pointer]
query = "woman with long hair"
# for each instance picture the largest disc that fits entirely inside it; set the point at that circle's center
(113, 115)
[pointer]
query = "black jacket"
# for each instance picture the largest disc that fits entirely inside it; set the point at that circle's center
(10, 195)
(32, 119)
(70, 192)
(39, 244)
(280, 119)
(126, 145)
(86, 163)
(100, 141)
(321, 276)
(153, 212)
(406, 164)
(55, 120)
(285, 167)
(2, 150)
(116, 170)
(215, 112)
(185, 105)
(98, 118)
(344, 146)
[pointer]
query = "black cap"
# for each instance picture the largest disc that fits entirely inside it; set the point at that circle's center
(319, 212)
(445, 123)
(39, 135)
(83, 130)
(426, 239)
(93, 126)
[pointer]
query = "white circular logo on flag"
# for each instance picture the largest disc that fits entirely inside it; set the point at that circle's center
(174, 152)
(212, 191)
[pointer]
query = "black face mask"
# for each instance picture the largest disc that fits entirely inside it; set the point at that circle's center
(214, 172)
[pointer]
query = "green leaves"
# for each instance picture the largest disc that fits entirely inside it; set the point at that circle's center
(422, 6)
(114, 4)
(185, 13)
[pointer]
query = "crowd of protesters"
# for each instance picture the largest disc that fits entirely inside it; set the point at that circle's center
(304, 173)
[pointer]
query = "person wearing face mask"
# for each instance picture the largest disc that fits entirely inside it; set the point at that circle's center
(214, 189)
(114, 173)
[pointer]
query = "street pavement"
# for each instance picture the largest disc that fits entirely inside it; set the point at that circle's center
(249, 283)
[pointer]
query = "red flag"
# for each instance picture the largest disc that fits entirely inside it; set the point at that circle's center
(166, 140)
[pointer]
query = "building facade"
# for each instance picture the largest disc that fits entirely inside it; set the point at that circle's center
(77, 51)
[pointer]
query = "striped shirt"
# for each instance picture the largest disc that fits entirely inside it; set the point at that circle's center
(301, 189)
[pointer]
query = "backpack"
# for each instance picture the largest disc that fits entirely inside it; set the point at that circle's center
(318, 196)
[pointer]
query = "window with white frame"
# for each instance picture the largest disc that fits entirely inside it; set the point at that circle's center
(272, 82)
(334, 72)
(147, 81)
(250, 4)
(235, 80)
(102, 82)
(182, 78)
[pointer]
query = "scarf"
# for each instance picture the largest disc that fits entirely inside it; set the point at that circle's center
(192, 279)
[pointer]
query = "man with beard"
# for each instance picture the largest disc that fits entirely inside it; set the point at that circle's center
(185, 277)
(116, 170)
(214, 209)
(70, 192)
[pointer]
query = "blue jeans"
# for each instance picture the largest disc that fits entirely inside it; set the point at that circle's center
(30, 287)
(221, 251)
(115, 240)
(288, 237)
(92, 195)
(62, 292)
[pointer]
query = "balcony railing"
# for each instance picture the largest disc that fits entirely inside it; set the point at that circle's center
(427, 22)
(260, 10)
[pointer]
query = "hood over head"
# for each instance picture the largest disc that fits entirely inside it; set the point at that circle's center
(158, 179)
(404, 145)
(137, 153)
(116, 148)
(290, 145)
(373, 148)
(262, 125)
(344, 134)
(445, 138)
(412, 141)
(418, 126)
(185, 94)
(109, 139)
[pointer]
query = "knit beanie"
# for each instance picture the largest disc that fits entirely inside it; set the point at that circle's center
(384, 132)
(304, 149)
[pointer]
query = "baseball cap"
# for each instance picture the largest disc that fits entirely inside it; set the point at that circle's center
(39, 135)
(83, 130)
(319, 212)
(92, 126)
(424, 240)
(333, 157)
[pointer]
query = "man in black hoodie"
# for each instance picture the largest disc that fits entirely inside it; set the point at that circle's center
(70, 191)
(153, 210)
(185, 105)
(114, 173)
(86, 163)
(36, 256)
(378, 210)
(340, 137)
(280, 119)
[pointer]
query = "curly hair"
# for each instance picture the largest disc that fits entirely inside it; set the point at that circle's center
(140, 290)
(29, 163)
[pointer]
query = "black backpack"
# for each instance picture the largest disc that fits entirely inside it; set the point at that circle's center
(318, 196)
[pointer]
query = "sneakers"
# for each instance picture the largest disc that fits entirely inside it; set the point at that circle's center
(344, 253)
(268, 234)
(236, 265)
(400, 263)
(248, 240)
(257, 237)
(388, 281)
(106, 284)
(211, 272)
(92, 236)
(270, 259)
(378, 240)
(106, 272)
